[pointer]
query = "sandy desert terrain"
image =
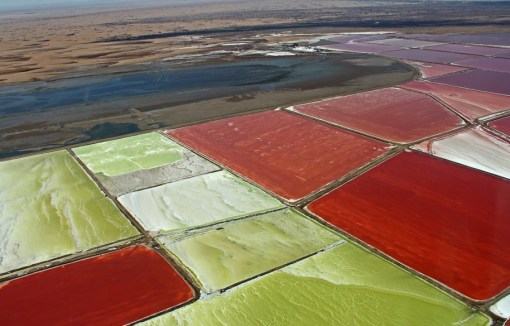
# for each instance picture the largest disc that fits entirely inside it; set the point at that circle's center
(43, 44)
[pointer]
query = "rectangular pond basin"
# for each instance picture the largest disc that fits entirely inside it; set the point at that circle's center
(487, 63)
(405, 43)
(469, 49)
(49, 207)
(429, 70)
(289, 155)
(243, 249)
(476, 147)
(429, 56)
(142, 161)
(392, 114)
(197, 201)
(346, 285)
(494, 39)
(112, 289)
(444, 220)
(482, 80)
(471, 104)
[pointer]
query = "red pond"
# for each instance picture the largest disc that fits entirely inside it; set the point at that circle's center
(471, 104)
(113, 289)
(441, 219)
(284, 153)
(392, 114)
(501, 125)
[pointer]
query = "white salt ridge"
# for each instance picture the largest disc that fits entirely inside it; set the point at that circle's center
(265, 53)
(475, 148)
(205, 46)
(236, 43)
(502, 307)
(305, 49)
(279, 54)
(220, 52)
(201, 200)
(184, 57)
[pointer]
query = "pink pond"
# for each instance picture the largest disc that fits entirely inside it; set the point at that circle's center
(471, 104)
(444, 220)
(502, 125)
(405, 43)
(430, 56)
(495, 39)
(289, 155)
(392, 114)
(468, 49)
(429, 70)
(361, 47)
(487, 63)
(482, 80)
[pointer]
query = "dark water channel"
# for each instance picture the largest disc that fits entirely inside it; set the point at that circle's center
(32, 113)
(178, 84)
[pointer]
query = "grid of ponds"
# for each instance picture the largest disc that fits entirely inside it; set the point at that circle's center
(384, 207)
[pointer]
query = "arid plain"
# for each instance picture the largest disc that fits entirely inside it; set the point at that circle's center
(44, 44)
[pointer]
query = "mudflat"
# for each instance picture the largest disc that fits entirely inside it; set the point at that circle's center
(66, 111)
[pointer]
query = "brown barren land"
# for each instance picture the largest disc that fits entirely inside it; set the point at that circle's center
(43, 44)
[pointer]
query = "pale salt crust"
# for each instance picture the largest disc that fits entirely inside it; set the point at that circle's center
(502, 307)
(197, 201)
(475, 148)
